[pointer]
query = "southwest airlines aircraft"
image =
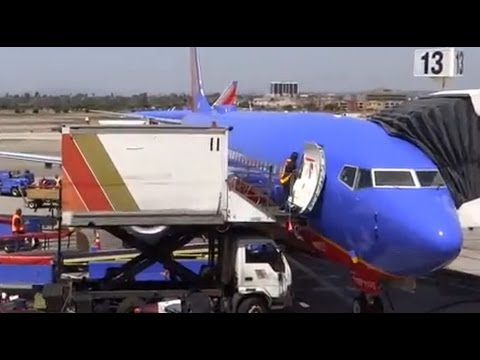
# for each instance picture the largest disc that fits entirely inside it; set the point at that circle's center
(373, 202)
(226, 102)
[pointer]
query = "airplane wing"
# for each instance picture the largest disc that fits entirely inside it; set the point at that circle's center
(46, 159)
(137, 116)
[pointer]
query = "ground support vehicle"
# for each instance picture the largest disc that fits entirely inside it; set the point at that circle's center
(170, 206)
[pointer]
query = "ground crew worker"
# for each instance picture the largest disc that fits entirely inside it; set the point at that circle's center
(287, 175)
(17, 222)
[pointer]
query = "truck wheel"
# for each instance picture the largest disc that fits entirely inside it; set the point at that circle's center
(129, 304)
(15, 192)
(253, 305)
(31, 205)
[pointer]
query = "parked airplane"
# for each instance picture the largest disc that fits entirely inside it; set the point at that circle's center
(225, 103)
(373, 202)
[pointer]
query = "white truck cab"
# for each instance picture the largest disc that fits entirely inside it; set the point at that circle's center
(263, 276)
(263, 281)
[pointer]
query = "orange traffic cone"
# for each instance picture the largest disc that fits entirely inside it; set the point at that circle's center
(97, 245)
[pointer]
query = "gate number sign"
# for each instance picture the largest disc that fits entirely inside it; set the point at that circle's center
(439, 63)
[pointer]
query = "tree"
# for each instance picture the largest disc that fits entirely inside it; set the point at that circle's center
(331, 107)
(311, 107)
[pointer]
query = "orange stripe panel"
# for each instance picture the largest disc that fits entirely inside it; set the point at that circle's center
(82, 177)
(71, 200)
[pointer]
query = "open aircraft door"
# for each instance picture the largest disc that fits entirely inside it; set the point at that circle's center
(310, 179)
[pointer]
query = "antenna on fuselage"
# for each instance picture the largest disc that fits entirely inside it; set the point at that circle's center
(439, 64)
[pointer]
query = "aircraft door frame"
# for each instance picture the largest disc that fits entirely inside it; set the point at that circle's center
(309, 185)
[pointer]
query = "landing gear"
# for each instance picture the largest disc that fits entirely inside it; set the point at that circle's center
(367, 304)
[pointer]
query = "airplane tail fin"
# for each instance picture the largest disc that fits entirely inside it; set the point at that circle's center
(199, 100)
(229, 95)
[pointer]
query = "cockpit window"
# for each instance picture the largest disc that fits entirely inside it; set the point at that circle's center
(430, 178)
(364, 179)
(402, 178)
(348, 175)
(357, 178)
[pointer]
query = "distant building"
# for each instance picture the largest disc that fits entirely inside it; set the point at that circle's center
(273, 103)
(284, 89)
(386, 96)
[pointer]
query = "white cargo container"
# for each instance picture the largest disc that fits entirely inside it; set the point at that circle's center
(148, 176)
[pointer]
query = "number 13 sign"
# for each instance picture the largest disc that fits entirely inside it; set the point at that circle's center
(438, 63)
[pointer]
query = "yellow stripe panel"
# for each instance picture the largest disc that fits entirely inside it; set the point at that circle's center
(106, 173)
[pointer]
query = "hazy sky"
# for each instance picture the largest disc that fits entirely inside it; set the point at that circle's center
(164, 70)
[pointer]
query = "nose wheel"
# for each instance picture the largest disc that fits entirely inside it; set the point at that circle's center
(367, 304)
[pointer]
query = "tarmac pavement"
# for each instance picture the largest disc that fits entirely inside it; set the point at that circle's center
(323, 287)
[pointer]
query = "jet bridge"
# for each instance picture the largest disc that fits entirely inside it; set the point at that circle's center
(150, 176)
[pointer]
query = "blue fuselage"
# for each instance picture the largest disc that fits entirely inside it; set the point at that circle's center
(400, 231)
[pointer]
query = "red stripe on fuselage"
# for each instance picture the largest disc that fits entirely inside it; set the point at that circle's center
(320, 244)
(81, 176)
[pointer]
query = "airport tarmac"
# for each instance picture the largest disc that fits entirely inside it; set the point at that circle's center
(469, 259)
(320, 286)
(323, 287)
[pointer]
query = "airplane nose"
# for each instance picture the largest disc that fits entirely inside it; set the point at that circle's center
(425, 238)
(438, 242)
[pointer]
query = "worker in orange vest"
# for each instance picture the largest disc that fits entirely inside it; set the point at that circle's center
(286, 176)
(17, 222)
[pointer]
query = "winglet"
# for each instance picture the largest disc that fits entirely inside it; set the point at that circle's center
(229, 95)
(199, 100)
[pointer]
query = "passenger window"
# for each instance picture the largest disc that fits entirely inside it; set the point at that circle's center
(348, 175)
(264, 254)
(394, 178)
(430, 178)
(364, 179)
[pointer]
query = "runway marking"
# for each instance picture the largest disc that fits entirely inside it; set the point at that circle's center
(324, 283)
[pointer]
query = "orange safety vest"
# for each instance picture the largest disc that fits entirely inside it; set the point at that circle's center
(285, 177)
(15, 227)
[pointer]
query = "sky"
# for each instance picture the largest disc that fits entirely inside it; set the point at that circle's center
(166, 70)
